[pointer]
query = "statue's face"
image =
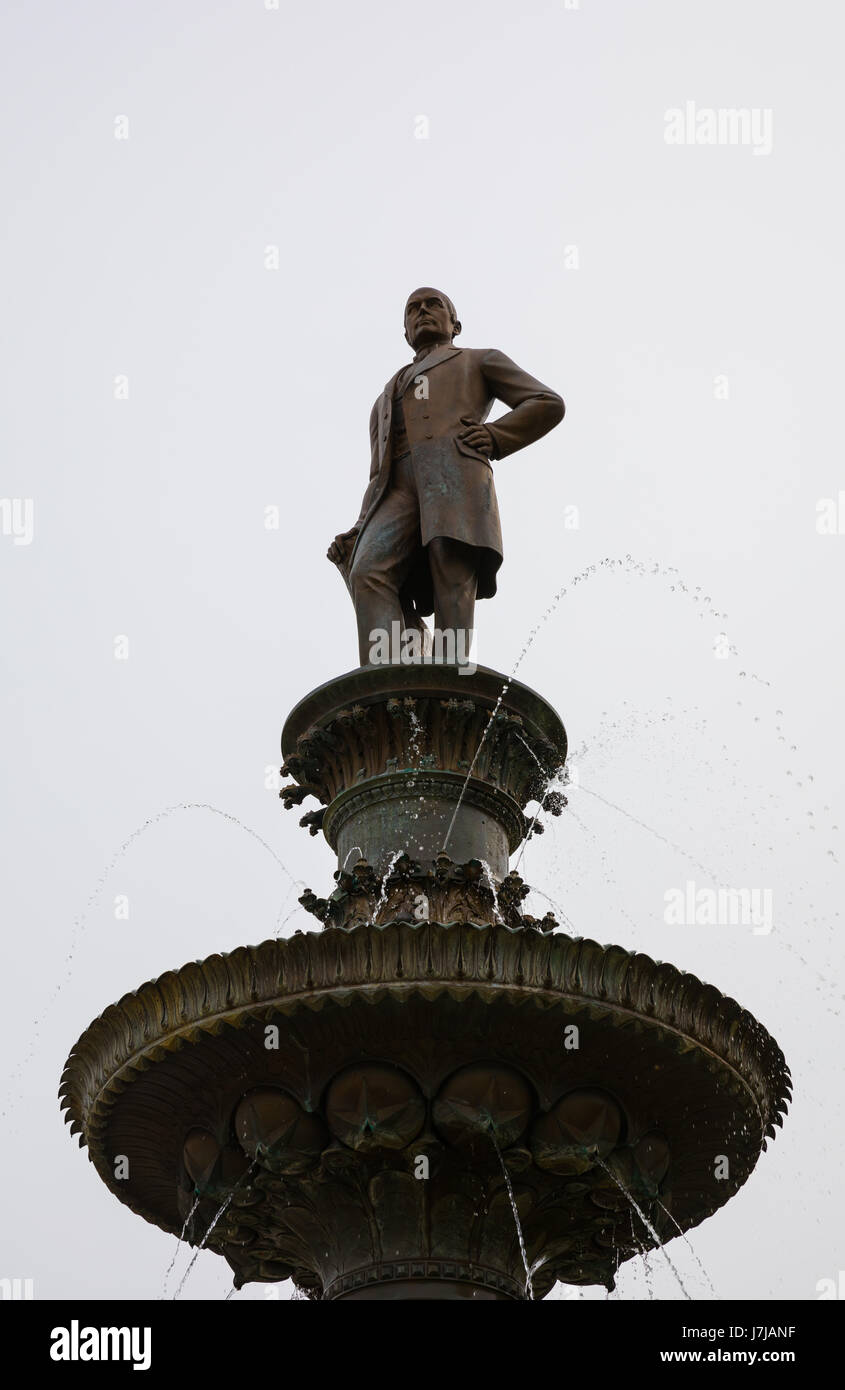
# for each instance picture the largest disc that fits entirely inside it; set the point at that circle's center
(428, 318)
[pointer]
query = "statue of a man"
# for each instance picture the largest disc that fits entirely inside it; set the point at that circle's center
(428, 538)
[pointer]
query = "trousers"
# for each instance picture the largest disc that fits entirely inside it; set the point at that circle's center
(387, 550)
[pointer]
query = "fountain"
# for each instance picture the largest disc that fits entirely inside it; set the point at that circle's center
(434, 1095)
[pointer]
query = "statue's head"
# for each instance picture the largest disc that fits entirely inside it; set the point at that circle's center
(429, 318)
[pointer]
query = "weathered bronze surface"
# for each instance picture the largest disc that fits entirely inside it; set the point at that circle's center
(404, 1043)
(390, 751)
(428, 538)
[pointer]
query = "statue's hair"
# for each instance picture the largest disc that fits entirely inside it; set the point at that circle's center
(447, 301)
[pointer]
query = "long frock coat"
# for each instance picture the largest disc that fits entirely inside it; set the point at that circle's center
(446, 391)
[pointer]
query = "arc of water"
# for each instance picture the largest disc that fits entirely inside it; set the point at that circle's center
(607, 869)
(502, 693)
(281, 925)
(630, 566)
(225, 1206)
(81, 920)
(710, 873)
(179, 1241)
(643, 1254)
(529, 1287)
(488, 874)
(383, 896)
(414, 742)
(702, 868)
(529, 641)
(548, 780)
(682, 1233)
(557, 907)
(649, 1227)
(296, 908)
(530, 829)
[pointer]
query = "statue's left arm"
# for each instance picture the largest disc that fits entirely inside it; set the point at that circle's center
(535, 408)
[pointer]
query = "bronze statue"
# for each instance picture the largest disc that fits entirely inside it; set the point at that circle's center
(428, 538)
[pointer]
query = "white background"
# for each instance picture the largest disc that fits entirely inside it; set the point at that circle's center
(249, 387)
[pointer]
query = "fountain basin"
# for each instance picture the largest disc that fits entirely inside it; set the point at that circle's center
(421, 758)
(351, 1095)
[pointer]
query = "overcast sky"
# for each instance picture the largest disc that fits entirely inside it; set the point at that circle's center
(687, 302)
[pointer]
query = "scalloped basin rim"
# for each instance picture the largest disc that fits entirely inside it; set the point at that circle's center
(549, 968)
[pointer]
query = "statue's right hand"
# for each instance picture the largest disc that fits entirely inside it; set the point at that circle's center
(341, 547)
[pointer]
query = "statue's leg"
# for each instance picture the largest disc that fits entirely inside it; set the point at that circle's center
(382, 561)
(454, 577)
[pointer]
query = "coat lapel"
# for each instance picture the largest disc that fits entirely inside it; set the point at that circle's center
(438, 355)
(385, 412)
(390, 386)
